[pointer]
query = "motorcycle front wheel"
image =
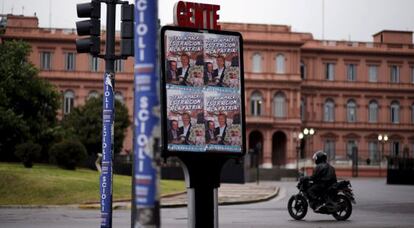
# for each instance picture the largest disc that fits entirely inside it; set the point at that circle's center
(344, 208)
(297, 207)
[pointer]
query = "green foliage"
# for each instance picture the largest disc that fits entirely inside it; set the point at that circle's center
(49, 185)
(28, 104)
(27, 153)
(67, 154)
(85, 124)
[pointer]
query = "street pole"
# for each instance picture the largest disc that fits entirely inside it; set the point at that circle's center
(297, 159)
(257, 169)
(381, 155)
(108, 116)
(145, 212)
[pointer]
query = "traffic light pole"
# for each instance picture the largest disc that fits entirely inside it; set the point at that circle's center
(108, 116)
(92, 45)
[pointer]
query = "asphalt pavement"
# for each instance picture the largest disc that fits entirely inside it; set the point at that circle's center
(378, 205)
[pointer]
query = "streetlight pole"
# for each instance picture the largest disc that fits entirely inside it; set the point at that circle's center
(382, 139)
(300, 137)
(307, 133)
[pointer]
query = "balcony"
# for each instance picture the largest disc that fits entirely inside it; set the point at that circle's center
(342, 125)
(357, 85)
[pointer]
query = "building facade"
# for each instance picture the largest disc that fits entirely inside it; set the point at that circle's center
(348, 92)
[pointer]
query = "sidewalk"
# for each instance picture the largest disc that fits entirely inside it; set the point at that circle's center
(229, 194)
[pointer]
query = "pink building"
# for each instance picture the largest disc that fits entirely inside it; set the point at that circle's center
(348, 92)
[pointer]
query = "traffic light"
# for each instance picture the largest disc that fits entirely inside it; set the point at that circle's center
(127, 30)
(89, 27)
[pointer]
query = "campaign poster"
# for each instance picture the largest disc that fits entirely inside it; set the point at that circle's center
(221, 56)
(185, 59)
(202, 75)
(185, 119)
(222, 117)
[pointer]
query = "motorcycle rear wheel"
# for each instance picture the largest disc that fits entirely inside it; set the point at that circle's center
(345, 210)
(297, 207)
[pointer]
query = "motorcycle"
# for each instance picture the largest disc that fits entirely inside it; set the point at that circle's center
(337, 201)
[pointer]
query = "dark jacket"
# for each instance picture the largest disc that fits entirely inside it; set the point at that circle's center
(216, 74)
(181, 130)
(171, 77)
(206, 78)
(171, 135)
(210, 135)
(180, 72)
(217, 132)
(324, 174)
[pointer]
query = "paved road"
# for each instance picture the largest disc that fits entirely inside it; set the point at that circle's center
(378, 205)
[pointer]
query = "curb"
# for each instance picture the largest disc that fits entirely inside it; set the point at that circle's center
(257, 200)
(115, 205)
(124, 203)
(74, 206)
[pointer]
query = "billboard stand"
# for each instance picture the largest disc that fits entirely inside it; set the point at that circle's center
(202, 176)
(202, 108)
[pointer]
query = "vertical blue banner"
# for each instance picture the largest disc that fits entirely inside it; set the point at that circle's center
(107, 150)
(145, 211)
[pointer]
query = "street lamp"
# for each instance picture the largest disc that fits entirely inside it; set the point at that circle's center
(308, 133)
(382, 139)
(300, 136)
(311, 131)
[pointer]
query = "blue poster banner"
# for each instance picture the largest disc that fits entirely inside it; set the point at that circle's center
(146, 121)
(107, 150)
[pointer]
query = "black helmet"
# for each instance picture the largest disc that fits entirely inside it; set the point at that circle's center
(319, 157)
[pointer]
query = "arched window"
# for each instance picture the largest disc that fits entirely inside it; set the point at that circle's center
(280, 64)
(256, 101)
(302, 70)
(373, 151)
(329, 148)
(395, 112)
(351, 109)
(68, 101)
(93, 94)
(119, 97)
(257, 63)
(351, 147)
(373, 112)
(329, 110)
(279, 105)
(302, 110)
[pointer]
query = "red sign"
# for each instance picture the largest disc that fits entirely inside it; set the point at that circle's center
(196, 15)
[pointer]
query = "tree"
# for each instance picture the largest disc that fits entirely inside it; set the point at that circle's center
(28, 104)
(85, 123)
(67, 154)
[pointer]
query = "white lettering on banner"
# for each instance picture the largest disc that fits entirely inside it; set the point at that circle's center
(107, 93)
(103, 186)
(142, 138)
(141, 28)
(142, 200)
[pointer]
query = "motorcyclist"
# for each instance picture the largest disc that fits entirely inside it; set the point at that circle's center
(323, 176)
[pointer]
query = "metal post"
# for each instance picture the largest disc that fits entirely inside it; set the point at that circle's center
(258, 152)
(145, 212)
(202, 189)
(108, 115)
(257, 170)
(381, 155)
(297, 159)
